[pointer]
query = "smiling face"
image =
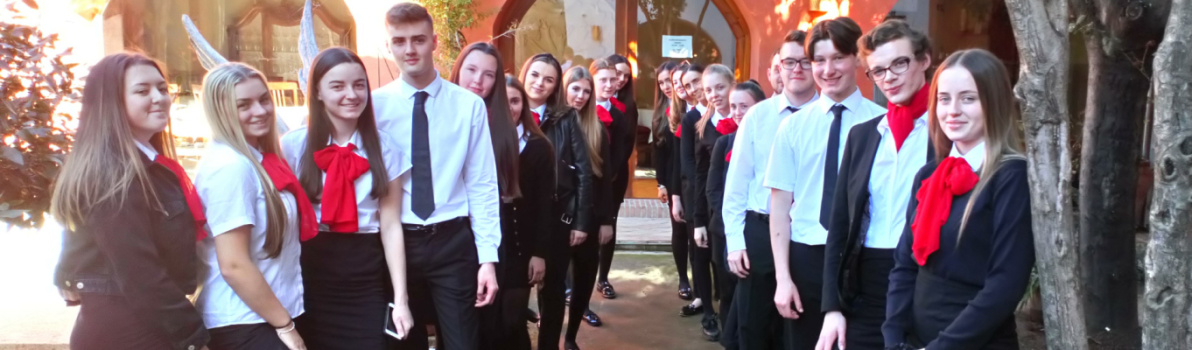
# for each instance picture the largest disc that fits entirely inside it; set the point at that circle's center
(716, 90)
(606, 84)
(578, 93)
(740, 101)
(343, 90)
(412, 46)
(146, 101)
(255, 108)
(516, 103)
(541, 80)
(624, 73)
(835, 72)
(895, 70)
(677, 83)
(958, 108)
(796, 80)
(692, 84)
(478, 73)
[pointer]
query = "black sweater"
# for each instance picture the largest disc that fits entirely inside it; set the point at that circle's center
(524, 232)
(696, 155)
(621, 135)
(716, 177)
(993, 262)
(666, 162)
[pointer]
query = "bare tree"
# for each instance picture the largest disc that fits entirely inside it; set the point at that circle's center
(1041, 32)
(1170, 249)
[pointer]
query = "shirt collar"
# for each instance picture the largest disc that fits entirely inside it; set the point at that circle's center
(717, 117)
(975, 157)
(541, 110)
(432, 89)
(851, 103)
(883, 126)
(701, 108)
(147, 150)
(355, 139)
(783, 102)
(607, 104)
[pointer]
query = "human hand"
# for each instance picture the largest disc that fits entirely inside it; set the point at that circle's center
(578, 237)
(701, 237)
(738, 263)
(677, 209)
(662, 194)
(486, 284)
(403, 320)
(833, 331)
(537, 270)
(786, 298)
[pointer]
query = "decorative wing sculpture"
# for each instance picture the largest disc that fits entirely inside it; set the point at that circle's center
(308, 48)
(208, 57)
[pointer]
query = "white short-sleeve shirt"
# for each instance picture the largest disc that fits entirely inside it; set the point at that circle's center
(367, 207)
(232, 197)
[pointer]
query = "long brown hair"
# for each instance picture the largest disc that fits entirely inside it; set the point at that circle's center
(588, 121)
(727, 74)
(678, 105)
(625, 94)
(105, 161)
(556, 103)
(319, 129)
(1002, 141)
(526, 119)
(661, 122)
(504, 133)
(219, 103)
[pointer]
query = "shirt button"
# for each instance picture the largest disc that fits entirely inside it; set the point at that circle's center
(192, 347)
(79, 286)
(66, 283)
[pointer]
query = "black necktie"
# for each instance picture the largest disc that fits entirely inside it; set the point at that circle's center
(791, 108)
(830, 165)
(424, 190)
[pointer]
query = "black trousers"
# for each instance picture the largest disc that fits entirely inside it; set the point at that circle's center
(701, 268)
(503, 324)
(441, 267)
(679, 247)
(108, 322)
(552, 293)
(868, 309)
(584, 260)
(606, 254)
(347, 291)
(258, 336)
(807, 271)
(727, 282)
(758, 321)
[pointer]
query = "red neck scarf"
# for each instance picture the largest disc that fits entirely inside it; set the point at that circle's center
(343, 166)
(284, 180)
(620, 106)
(952, 178)
(902, 118)
(537, 118)
(726, 126)
(188, 190)
(728, 156)
(604, 115)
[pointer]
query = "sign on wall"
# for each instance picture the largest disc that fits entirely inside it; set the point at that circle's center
(676, 46)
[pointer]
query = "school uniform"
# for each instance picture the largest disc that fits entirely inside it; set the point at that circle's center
(622, 133)
(667, 172)
(344, 272)
(961, 293)
(874, 184)
(696, 155)
(233, 196)
(721, 156)
(804, 162)
(133, 265)
(450, 206)
(746, 216)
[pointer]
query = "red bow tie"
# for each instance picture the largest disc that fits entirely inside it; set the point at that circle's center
(343, 166)
(726, 126)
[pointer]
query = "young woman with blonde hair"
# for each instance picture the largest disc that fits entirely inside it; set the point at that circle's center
(257, 213)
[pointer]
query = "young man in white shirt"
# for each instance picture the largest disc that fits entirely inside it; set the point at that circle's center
(774, 74)
(802, 177)
(746, 207)
(449, 200)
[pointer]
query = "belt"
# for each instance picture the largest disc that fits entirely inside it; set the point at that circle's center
(756, 215)
(443, 226)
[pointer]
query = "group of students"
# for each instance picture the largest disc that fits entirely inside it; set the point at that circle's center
(425, 202)
(821, 220)
(435, 202)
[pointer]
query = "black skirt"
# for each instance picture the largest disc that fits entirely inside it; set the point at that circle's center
(108, 322)
(938, 301)
(347, 292)
(868, 310)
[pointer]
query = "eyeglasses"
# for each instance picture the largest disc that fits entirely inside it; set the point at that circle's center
(899, 66)
(790, 64)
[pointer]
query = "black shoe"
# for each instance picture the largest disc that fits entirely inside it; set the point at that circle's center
(592, 319)
(531, 316)
(567, 301)
(685, 293)
(711, 330)
(690, 310)
(606, 290)
(570, 345)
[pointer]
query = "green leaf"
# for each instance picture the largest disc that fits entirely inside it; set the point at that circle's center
(12, 155)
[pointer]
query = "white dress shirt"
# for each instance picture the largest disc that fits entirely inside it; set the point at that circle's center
(743, 190)
(700, 108)
(541, 110)
(890, 182)
(607, 104)
(522, 136)
(463, 167)
(975, 157)
(147, 150)
(233, 196)
(797, 159)
(716, 118)
(369, 221)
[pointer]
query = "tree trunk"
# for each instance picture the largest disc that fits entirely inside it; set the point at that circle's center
(1169, 251)
(1041, 32)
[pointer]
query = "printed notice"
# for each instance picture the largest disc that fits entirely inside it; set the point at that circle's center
(676, 46)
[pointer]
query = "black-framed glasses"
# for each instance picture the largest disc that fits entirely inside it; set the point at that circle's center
(899, 66)
(790, 64)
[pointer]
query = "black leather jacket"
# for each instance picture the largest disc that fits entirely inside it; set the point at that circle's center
(575, 185)
(142, 252)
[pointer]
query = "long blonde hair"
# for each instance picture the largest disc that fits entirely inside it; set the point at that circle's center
(678, 105)
(1002, 141)
(105, 161)
(724, 72)
(219, 103)
(588, 121)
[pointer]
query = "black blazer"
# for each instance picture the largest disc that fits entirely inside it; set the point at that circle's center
(524, 233)
(696, 154)
(716, 177)
(622, 136)
(606, 200)
(575, 185)
(142, 252)
(965, 296)
(666, 162)
(846, 236)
